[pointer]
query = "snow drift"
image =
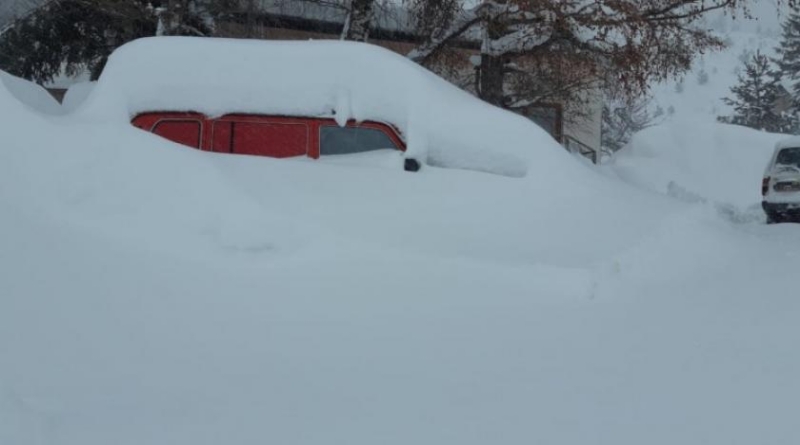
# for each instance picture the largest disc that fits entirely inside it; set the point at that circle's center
(343, 80)
(76, 94)
(33, 96)
(718, 163)
(117, 181)
(154, 294)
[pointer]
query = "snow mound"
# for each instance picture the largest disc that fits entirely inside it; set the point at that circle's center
(716, 163)
(76, 95)
(30, 94)
(117, 182)
(444, 307)
(342, 80)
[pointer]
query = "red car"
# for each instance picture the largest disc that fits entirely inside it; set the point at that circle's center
(273, 136)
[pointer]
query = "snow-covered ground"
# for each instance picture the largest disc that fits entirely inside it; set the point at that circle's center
(154, 294)
(715, 164)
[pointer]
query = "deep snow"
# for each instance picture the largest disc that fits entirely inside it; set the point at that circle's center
(442, 124)
(155, 294)
(716, 162)
(29, 94)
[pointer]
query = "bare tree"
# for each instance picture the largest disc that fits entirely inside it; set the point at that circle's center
(359, 20)
(627, 42)
(623, 117)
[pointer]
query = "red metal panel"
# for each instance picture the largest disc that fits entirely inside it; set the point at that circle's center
(186, 132)
(313, 140)
(183, 128)
(248, 134)
(146, 121)
(277, 138)
(221, 137)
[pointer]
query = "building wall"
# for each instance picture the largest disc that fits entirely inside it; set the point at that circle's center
(588, 129)
(273, 33)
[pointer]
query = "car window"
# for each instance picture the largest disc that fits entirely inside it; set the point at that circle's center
(789, 156)
(335, 140)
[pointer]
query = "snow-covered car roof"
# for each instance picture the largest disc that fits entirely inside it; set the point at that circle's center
(442, 124)
(788, 143)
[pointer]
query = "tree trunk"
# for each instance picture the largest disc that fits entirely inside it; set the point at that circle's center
(359, 20)
(491, 80)
(492, 68)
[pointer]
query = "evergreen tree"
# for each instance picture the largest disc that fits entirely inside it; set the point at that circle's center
(788, 50)
(755, 98)
(73, 35)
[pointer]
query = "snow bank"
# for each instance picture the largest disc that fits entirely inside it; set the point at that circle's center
(442, 124)
(119, 182)
(154, 294)
(30, 94)
(76, 95)
(712, 162)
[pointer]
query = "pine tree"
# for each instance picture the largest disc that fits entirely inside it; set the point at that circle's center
(788, 50)
(74, 35)
(755, 97)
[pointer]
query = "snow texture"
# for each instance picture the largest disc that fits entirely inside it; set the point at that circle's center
(343, 80)
(155, 294)
(30, 94)
(76, 94)
(721, 163)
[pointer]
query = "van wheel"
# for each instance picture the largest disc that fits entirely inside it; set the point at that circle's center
(773, 219)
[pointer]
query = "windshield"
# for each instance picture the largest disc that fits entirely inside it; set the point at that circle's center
(789, 156)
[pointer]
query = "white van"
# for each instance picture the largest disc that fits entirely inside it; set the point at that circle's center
(781, 185)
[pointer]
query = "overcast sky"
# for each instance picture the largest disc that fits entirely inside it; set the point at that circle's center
(768, 13)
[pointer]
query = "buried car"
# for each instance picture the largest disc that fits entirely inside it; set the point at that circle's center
(780, 187)
(312, 98)
(274, 136)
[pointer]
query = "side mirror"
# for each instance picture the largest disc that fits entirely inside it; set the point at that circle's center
(411, 165)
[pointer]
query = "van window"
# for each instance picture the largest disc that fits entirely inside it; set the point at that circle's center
(789, 156)
(186, 132)
(335, 140)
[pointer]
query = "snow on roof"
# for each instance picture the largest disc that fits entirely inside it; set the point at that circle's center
(442, 124)
(790, 142)
(30, 94)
